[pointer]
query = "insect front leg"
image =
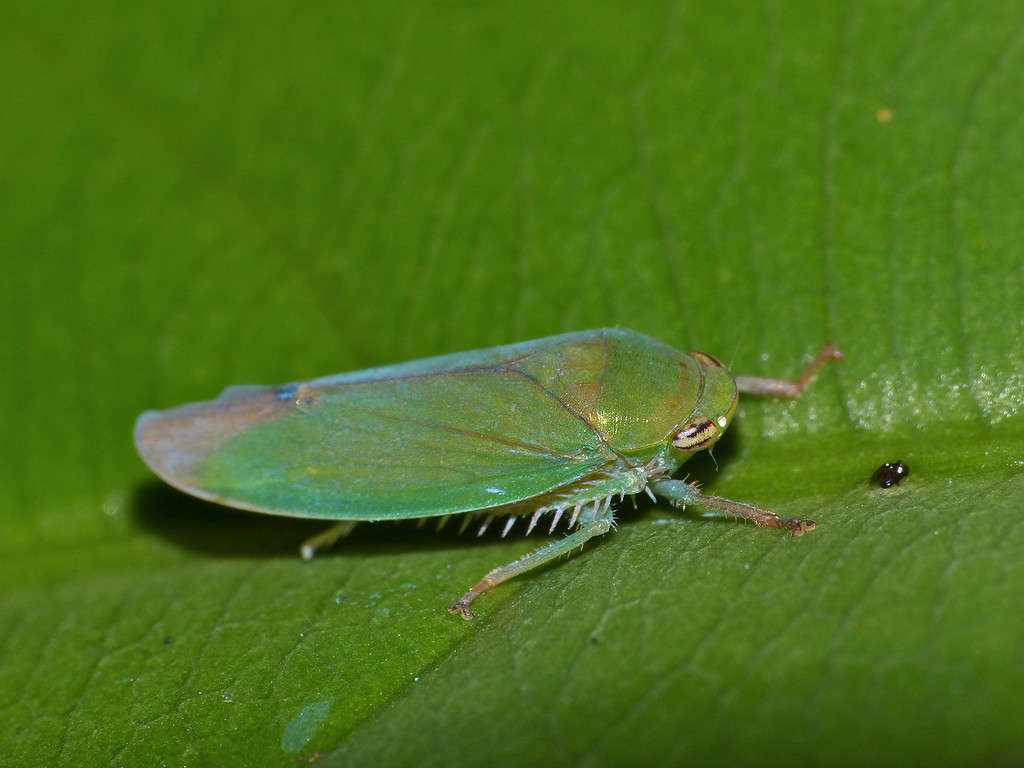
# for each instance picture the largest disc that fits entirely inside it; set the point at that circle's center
(679, 494)
(326, 538)
(596, 526)
(755, 385)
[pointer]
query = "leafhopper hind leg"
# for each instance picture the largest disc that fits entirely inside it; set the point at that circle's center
(679, 494)
(599, 524)
(326, 538)
(755, 385)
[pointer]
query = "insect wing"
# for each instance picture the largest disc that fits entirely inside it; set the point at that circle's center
(455, 434)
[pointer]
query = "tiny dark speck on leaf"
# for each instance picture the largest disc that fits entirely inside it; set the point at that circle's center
(593, 640)
(169, 639)
(890, 473)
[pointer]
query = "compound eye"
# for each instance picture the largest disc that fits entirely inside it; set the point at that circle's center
(696, 435)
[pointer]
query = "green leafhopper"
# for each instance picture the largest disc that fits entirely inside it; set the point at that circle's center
(559, 428)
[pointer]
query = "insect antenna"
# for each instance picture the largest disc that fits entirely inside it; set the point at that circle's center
(732, 358)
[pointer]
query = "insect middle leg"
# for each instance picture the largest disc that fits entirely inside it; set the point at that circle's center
(679, 494)
(587, 530)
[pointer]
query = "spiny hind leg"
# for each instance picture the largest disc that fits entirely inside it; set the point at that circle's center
(326, 538)
(587, 530)
(679, 494)
(581, 502)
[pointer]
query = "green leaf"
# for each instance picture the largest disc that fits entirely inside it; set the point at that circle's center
(198, 195)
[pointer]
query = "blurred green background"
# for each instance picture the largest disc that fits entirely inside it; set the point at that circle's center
(203, 194)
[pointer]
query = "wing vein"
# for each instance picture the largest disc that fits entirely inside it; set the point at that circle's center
(579, 417)
(459, 431)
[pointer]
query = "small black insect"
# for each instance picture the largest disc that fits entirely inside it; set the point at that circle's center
(890, 474)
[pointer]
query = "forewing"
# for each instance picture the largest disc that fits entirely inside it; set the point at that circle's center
(398, 442)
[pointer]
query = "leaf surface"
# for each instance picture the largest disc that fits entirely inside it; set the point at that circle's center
(199, 195)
